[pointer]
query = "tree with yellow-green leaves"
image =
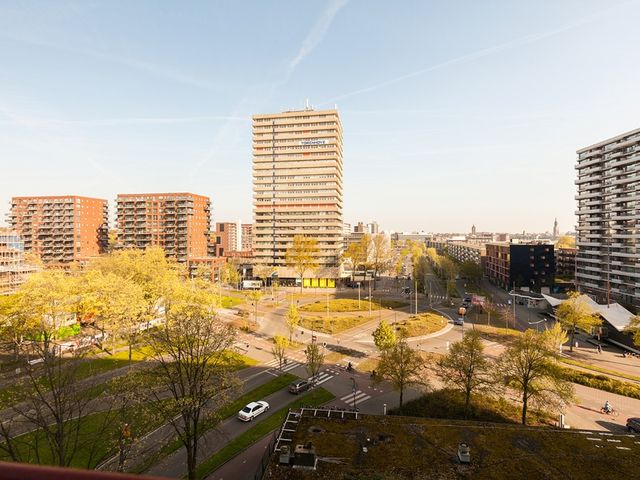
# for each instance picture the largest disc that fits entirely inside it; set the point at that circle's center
(530, 366)
(194, 377)
(575, 312)
(357, 254)
(13, 327)
(566, 241)
(292, 320)
(279, 349)
(634, 329)
(381, 254)
(401, 366)
(302, 255)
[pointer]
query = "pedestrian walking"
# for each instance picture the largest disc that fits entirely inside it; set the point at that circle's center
(599, 348)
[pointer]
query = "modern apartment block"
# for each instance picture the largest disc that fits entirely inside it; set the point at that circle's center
(467, 252)
(527, 266)
(61, 229)
(177, 222)
(566, 262)
(13, 269)
(232, 240)
(246, 239)
(608, 235)
(297, 187)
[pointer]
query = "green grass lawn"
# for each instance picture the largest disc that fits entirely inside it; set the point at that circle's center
(332, 324)
(97, 439)
(230, 302)
(338, 305)
(422, 324)
(315, 397)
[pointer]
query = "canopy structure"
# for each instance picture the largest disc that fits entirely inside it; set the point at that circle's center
(615, 314)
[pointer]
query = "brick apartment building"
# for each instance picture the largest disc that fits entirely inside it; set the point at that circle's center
(61, 229)
(177, 222)
(297, 188)
(232, 240)
(13, 269)
(528, 266)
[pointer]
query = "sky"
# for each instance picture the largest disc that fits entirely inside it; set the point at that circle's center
(454, 112)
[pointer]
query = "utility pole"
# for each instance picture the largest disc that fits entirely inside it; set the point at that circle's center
(369, 298)
(514, 305)
(358, 295)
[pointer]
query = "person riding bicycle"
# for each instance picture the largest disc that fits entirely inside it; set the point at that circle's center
(607, 407)
(349, 367)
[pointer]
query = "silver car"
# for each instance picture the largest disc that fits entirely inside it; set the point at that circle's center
(252, 410)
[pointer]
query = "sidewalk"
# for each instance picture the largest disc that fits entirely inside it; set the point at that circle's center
(610, 359)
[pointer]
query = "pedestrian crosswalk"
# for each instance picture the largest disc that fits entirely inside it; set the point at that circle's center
(290, 365)
(355, 398)
(287, 365)
(322, 377)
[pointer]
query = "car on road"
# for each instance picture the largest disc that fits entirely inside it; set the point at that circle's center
(252, 410)
(459, 321)
(299, 386)
(633, 424)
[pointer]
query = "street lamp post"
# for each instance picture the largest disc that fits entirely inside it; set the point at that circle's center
(358, 295)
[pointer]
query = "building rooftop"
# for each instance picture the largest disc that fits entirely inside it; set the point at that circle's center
(394, 447)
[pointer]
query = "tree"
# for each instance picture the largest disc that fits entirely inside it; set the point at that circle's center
(506, 314)
(279, 349)
(465, 368)
(357, 253)
(529, 366)
(490, 308)
(449, 271)
(634, 329)
(302, 255)
(229, 274)
(471, 270)
(255, 296)
(384, 337)
(293, 320)
(194, 375)
(13, 326)
(566, 241)
(401, 366)
(557, 336)
(51, 403)
(575, 312)
(315, 360)
(381, 254)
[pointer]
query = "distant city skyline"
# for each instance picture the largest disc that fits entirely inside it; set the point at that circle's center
(453, 113)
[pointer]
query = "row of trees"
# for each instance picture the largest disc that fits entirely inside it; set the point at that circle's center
(59, 411)
(371, 252)
(528, 366)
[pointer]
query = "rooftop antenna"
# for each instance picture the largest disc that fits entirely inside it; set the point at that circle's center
(307, 106)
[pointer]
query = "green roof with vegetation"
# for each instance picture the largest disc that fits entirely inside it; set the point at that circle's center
(416, 448)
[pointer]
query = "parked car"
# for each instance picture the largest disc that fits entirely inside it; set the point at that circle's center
(299, 386)
(252, 410)
(459, 321)
(633, 424)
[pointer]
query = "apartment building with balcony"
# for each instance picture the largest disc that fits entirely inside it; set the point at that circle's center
(13, 269)
(527, 266)
(177, 222)
(232, 240)
(297, 188)
(608, 230)
(566, 262)
(61, 229)
(466, 252)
